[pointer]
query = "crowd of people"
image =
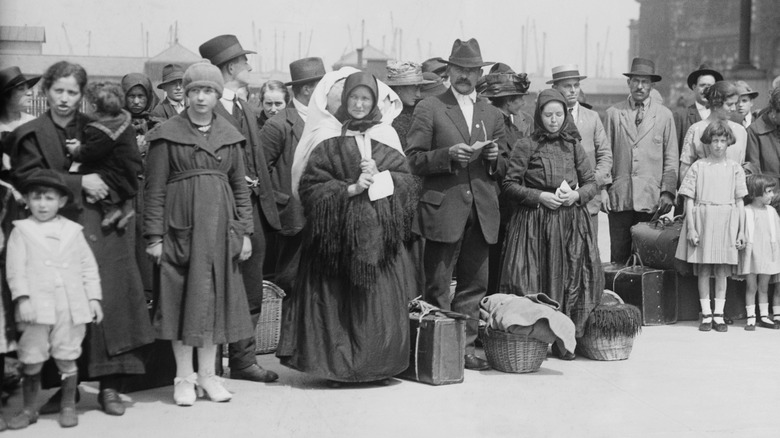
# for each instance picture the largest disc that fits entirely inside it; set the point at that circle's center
(161, 219)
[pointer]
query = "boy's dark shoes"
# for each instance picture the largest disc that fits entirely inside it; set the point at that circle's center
(23, 419)
(476, 363)
(52, 406)
(254, 373)
(110, 402)
(68, 417)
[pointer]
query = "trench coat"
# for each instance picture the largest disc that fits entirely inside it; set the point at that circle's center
(644, 158)
(197, 201)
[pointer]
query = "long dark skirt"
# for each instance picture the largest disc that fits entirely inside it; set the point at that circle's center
(554, 252)
(339, 334)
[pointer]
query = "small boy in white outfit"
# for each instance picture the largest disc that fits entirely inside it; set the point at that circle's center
(55, 284)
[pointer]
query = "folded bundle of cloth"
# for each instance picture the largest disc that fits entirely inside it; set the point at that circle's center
(536, 316)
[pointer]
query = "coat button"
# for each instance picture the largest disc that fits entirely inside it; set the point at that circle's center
(93, 237)
(468, 192)
(219, 158)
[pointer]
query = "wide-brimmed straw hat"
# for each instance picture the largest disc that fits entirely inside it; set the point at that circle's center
(744, 89)
(306, 70)
(12, 77)
(404, 73)
(221, 49)
(566, 71)
(466, 54)
(704, 69)
(170, 73)
(643, 67)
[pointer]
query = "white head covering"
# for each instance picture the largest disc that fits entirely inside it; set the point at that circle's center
(322, 125)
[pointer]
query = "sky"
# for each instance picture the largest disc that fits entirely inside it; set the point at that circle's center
(287, 30)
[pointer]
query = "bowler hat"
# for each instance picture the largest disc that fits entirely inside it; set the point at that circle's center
(46, 178)
(221, 49)
(404, 73)
(704, 69)
(744, 89)
(434, 65)
(434, 88)
(306, 70)
(170, 73)
(643, 67)
(503, 84)
(466, 54)
(12, 77)
(566, 71)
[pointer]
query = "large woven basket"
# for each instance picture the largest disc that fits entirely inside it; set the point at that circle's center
(512, 353)
(270, 321)
(603, 348)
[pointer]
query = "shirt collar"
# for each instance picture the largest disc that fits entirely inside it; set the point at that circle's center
(174, 103)
(463, 98)
(634, 104)
(303, 110)
(700, 107)
(228, 94)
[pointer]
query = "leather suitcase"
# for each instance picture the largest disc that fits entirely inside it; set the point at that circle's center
(688, 307)
(437, 349)
(656, 243)
(653, 291)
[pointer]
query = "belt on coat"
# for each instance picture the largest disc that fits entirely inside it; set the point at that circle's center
(186, 174)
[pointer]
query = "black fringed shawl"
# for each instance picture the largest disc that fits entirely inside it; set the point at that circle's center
(352, 236)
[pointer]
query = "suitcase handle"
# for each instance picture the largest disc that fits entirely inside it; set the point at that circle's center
(630, 263)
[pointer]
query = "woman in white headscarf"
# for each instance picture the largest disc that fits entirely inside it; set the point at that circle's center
(347, 319)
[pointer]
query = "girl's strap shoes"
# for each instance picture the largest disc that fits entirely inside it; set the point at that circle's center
(184, 390)
(750, 325)
(719, 327)
(765, 322)
(211, 385)
(705, 326)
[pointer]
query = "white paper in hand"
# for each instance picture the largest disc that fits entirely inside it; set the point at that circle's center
(382, 187)
(563, 189)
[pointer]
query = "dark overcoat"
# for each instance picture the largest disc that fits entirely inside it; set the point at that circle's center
(763, 146)
(683, 119)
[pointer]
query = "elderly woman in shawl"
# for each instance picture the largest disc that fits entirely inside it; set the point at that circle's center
(348, 319)
(550, 246)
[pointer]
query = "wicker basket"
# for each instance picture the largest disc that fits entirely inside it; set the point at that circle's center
(512, 353)
(269, 323)
(603, 348)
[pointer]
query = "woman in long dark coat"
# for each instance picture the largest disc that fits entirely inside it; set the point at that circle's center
(550, 246)
(110, 348)
(197, 222)
(350, 320)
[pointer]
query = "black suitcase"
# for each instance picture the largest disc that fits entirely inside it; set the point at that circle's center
(653, 291)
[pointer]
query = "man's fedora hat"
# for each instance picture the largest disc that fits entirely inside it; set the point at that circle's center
(46, 178)
(434, 65)
(306, 70)
(221, 49)
(404, 73)
(566, 71)
(12, 77)
(466, 54)
(170, 73)
(503, 84)
(704, 69)
(643, 67)
(434, 88)
(744, 89)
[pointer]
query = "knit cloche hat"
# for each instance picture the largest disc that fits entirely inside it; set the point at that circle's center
(203, 74)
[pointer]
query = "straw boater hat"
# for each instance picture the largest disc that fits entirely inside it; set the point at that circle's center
(744, 89)
(566, 71)
(306, 70)
(12, 77)
(404, 73)
(221, 49)
(170, 73)
(466, 54)
(434, 65)
(643, 67)
(704, 69)
(434, 88)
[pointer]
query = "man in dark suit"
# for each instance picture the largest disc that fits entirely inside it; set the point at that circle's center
(279, 137)
(175, 101)
(226, 52)
(698, 81)
(458, 210)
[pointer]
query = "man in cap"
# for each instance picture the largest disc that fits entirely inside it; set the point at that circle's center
(434, 88)
(645, 159)
(226, 53)
(566, 79)
(453, 145)
(174, 102)
(745, 114)
(698, 82)
(279, 137)
(405, 78)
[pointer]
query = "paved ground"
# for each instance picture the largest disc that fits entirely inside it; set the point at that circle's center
(678, 382)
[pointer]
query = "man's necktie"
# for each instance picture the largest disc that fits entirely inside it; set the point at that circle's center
(640, 113)
(237, 113)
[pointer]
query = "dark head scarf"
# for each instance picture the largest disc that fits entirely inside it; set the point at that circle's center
(131, 80)
(568, 131)
(374, 117)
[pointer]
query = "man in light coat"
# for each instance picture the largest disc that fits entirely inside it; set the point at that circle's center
(645, 159)
(566, 79)
(458, 210)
